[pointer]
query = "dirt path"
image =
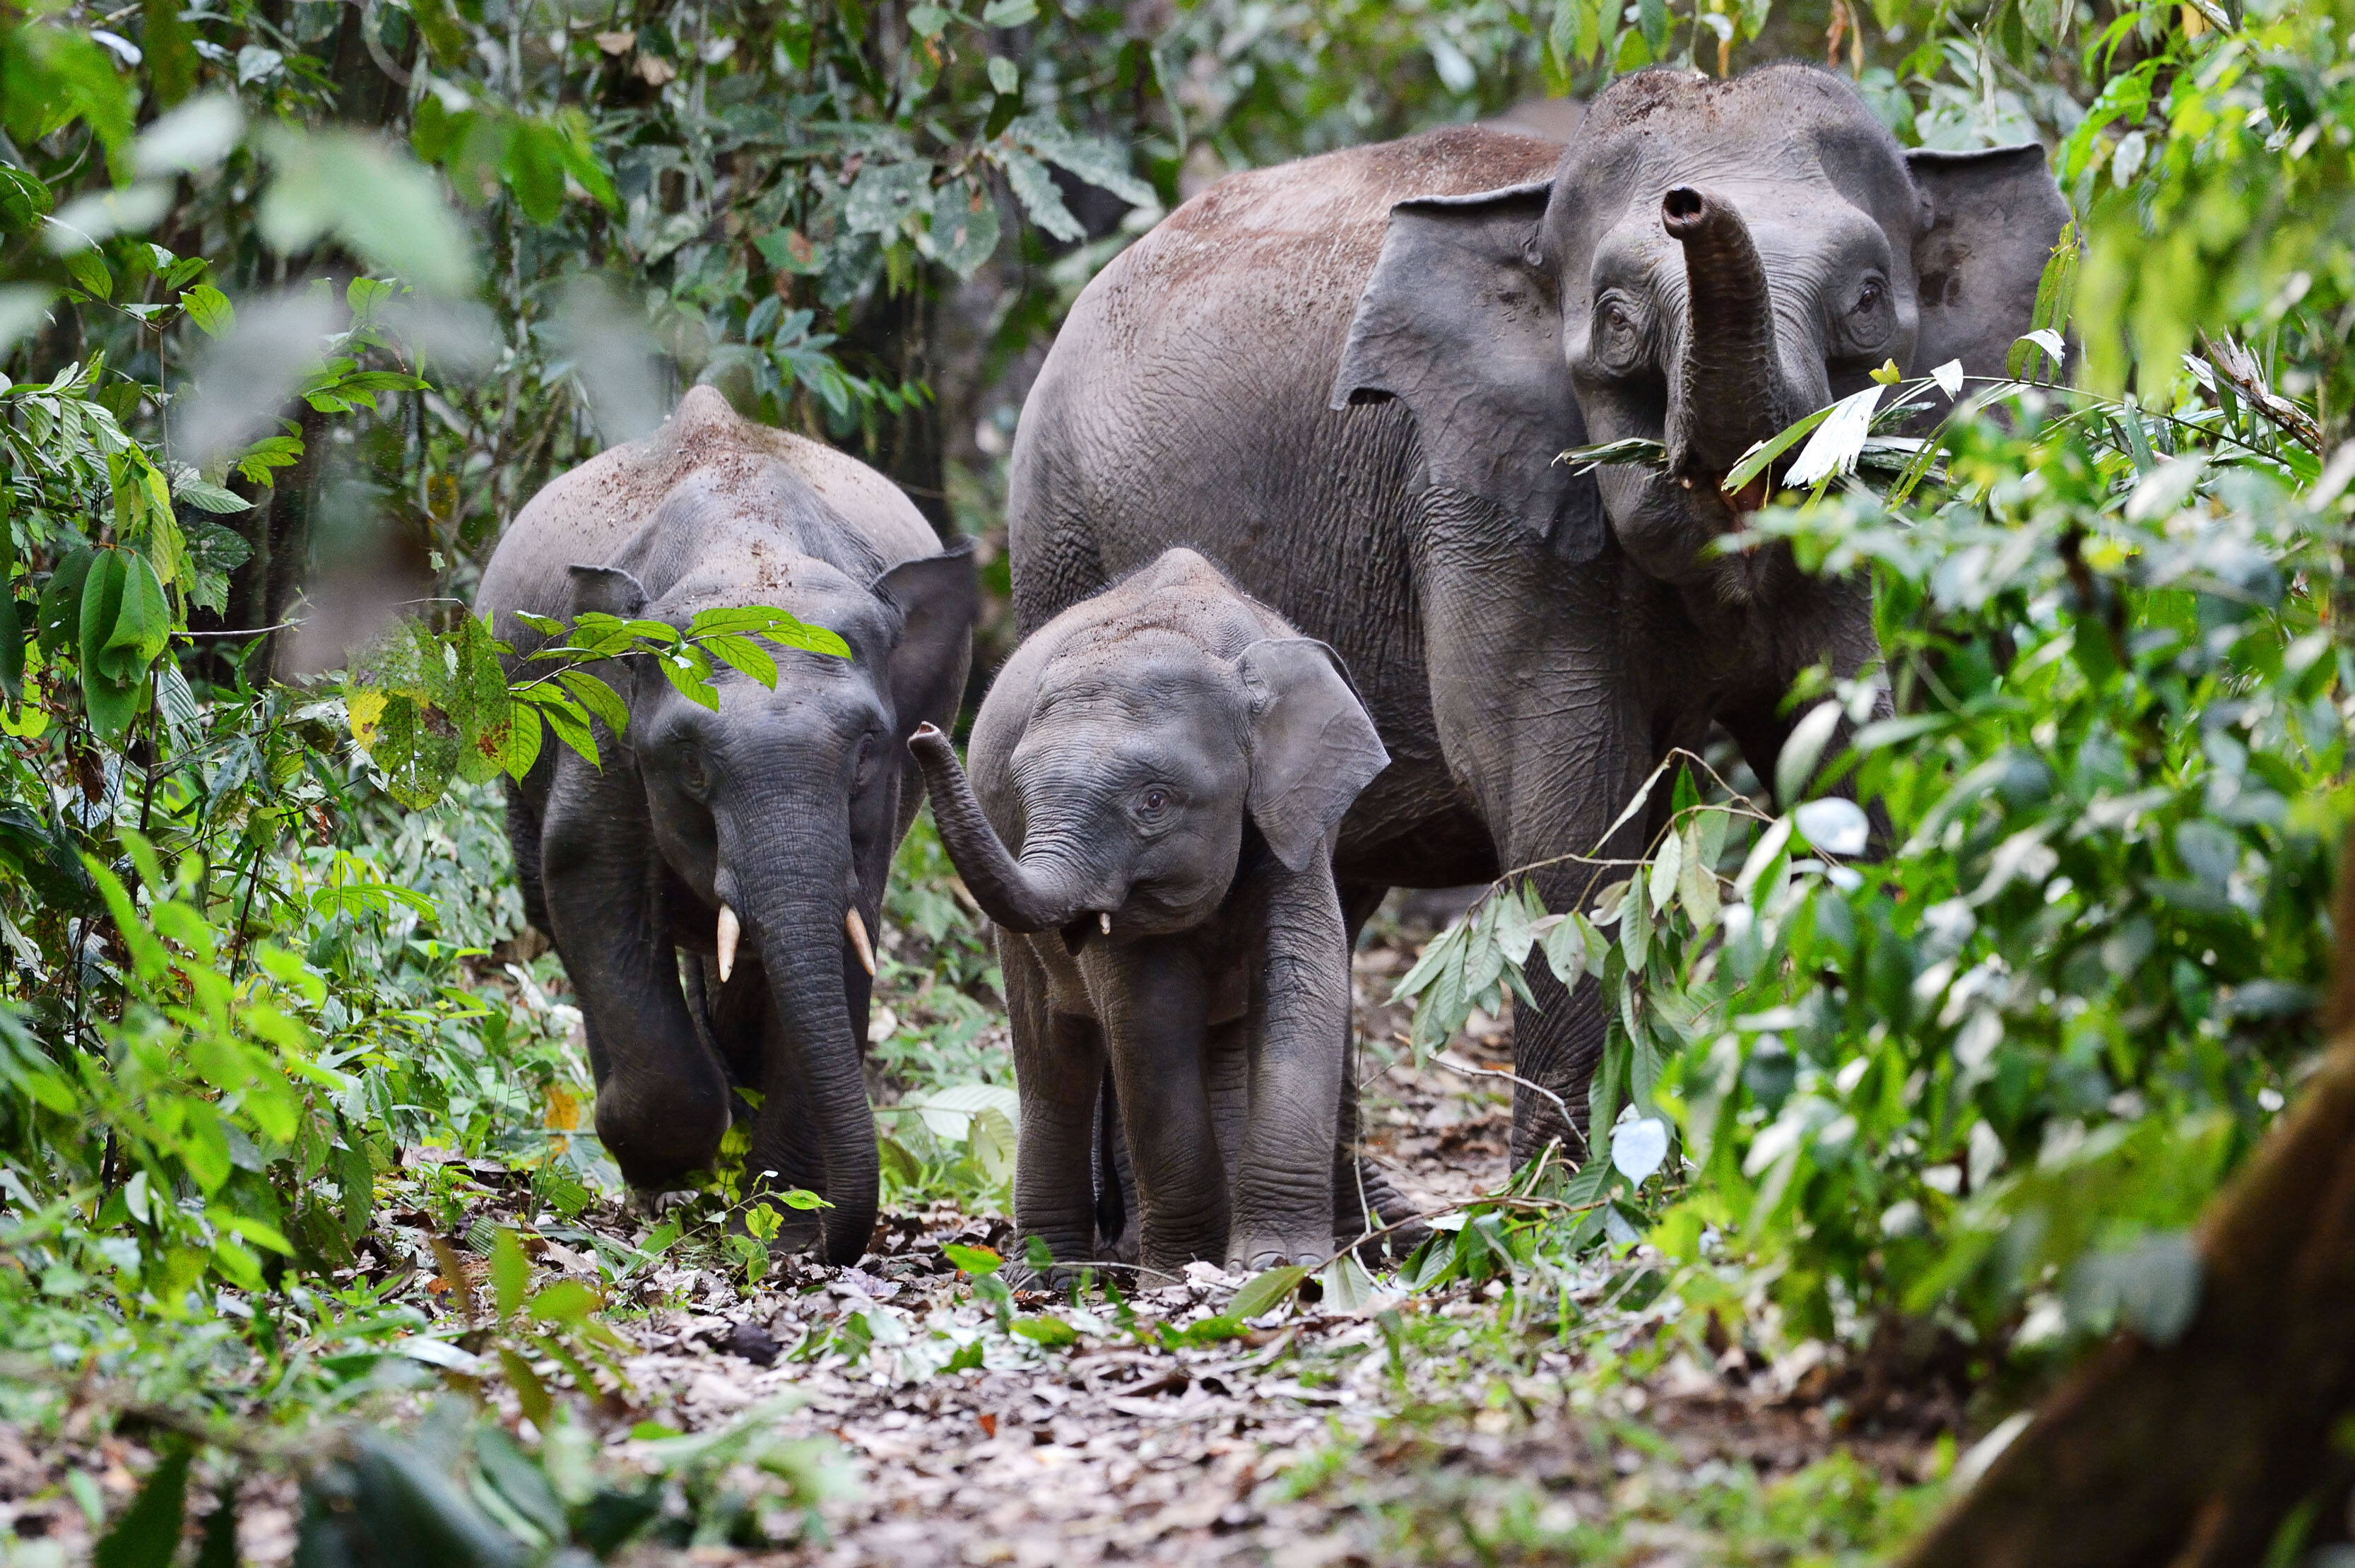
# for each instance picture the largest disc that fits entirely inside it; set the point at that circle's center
(1158, 1430)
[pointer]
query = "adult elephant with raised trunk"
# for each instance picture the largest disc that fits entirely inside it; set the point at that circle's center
(1347, 381)
(753, 839)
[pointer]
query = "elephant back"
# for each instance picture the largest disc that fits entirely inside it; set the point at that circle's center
(587, 514)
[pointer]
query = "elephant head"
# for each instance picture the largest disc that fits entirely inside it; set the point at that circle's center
(1133, 783)
(1711, 260)
(775, 816)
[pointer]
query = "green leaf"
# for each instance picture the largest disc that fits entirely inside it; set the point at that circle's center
(1035, 189)
(598, 698)
(885, 194)
(89, 269)
(744, 654)
(510, 1272)
(58, 618)
(566, 1301)
(148, 1533)
(1047, 1331)
(206, 497)
(972, 1260)
(1347, 1286)
(1268, 1290)
(1009, 13)
(214, 315)
(142, 624)
(1803, 750)
(964, 227)
(1754, 462)
(690, 672)
(1636, 930)
(1092, 159)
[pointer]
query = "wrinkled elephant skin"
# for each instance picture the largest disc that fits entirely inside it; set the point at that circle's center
(1346, 380)
(754, 839)
(1156, 777)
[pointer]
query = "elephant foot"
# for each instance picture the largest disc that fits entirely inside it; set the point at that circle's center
(1251, 1251)
(1388, 1205)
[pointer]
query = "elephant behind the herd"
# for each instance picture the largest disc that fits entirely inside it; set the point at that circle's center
(1347, 381)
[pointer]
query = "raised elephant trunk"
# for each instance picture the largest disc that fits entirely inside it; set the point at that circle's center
(1018, 896)
(1729, 390)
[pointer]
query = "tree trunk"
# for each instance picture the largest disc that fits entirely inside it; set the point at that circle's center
(2193, 1455)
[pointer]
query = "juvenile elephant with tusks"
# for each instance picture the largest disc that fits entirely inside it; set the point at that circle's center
(754, 839)
(1348, 379)
(1156, 777)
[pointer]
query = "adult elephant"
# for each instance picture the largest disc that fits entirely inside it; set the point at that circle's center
(753, 839)
(1347, 381)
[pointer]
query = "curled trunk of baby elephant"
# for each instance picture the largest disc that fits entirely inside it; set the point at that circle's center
(1730, 389)
(1018, 897)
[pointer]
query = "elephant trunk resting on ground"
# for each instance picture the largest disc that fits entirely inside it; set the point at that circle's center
(755, 838)
(1156, 777)
(1347, 381)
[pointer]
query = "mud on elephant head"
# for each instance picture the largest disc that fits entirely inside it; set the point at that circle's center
(1711, 260)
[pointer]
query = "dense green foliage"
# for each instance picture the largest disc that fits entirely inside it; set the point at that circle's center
(297, 292)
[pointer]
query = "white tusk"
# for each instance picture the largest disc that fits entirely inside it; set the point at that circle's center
(1103, 922)
(730, 928)
(858, 929)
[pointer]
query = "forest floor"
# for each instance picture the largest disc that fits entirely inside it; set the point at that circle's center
(1472, 1421)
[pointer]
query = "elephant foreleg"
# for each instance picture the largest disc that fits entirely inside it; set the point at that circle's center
(1059, 1066)
(1283, 1180)
(1152, 999)
(661, 1098)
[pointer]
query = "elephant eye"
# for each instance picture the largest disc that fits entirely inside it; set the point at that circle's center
(1618, 337)
(1870, 298)
(692, 771)
(1152, 803)
(868, 747)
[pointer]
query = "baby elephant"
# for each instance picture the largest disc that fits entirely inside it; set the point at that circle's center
(1168, 760)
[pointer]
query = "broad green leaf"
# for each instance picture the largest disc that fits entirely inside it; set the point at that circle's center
(214, 315)
(1035, 189)
(510, 1273)
(1838, 441)
(1754, 462)
(598, 698)
(531, 1394)
(1052, 1332)
(1347, 1286)
(1666, 862)
(1803, 750)
(1635, 932)
(745, 655)
(1266, 1291)
(972, 1260)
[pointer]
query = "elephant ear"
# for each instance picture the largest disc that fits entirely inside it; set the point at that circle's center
(1461, 320)
(1993, 219)
(607, 590)
(937, 597)
(1312, 746)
